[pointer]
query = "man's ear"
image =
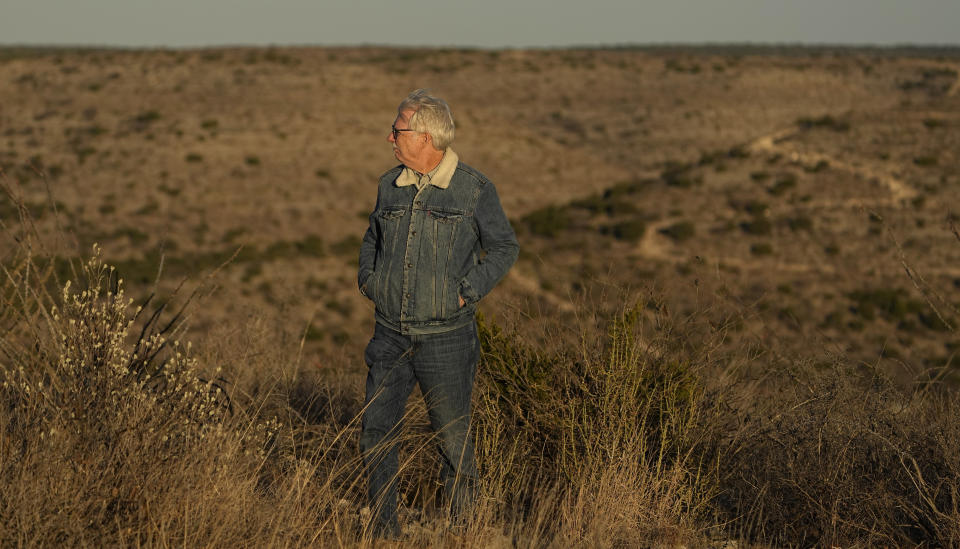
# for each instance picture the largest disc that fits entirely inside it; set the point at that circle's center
(428, 140)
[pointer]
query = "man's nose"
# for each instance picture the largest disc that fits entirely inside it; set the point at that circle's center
(390, 137)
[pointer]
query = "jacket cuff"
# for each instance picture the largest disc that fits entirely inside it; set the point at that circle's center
(467, 292)
(363, 285)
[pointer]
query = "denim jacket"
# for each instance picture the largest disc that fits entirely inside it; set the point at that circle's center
(425, 249)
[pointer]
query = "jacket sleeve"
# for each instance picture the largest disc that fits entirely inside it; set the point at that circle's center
(499, 242)
(368, 250)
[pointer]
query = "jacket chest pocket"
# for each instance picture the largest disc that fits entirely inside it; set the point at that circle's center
(390, 215)
(442, 216)
(443, 225)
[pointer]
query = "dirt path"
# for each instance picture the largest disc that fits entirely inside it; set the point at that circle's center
(899, 191)
(955, 88)
(656, 246)
(529, 285)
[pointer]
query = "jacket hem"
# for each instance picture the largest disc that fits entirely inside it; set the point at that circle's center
(427, 328)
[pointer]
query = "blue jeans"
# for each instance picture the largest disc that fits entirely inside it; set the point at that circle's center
(444, 365)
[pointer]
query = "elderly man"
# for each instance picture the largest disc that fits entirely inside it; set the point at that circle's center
(438, 241)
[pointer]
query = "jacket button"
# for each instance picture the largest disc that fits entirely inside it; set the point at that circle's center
(419, 203)
(409, 265)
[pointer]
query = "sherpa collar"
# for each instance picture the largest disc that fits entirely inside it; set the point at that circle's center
(438, 177)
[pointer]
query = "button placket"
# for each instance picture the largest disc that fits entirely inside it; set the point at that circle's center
(412, 249)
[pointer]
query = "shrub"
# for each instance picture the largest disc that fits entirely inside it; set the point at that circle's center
(681, 231)
(348, 246)
(825, 121)
(756, 208)
(105, 424)
(548, 222)
(678, 175)
(147, 117)
(759, 225)
(631, 230)
(895, 305)
(783, 184)
(800, 223)
(574, 416)
(820, 166)
(845, 459)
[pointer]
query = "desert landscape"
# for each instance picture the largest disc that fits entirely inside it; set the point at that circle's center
(767, 214)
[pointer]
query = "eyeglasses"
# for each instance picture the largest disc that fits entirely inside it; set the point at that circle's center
(396, 132)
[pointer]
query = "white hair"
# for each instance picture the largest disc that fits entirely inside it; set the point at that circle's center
(431, 115)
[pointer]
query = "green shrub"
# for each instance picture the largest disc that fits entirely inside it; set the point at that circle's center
(572, 410)
(169, 191)
(83, 152)
(675, 65)
(800, 223)
(611, 201)
(894, 304)
(759, 226)
(825, 121)
(147, 117)
(681, 231)
(631, 230)
(677, 175)
(348, 246)
(548, 222)
(783, 184)
(756, 208)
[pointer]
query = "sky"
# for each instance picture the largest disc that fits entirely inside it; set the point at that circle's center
(476, 23)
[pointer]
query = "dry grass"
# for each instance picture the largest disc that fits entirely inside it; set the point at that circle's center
(115, 433)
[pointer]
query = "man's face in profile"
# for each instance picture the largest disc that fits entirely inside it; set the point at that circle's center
(407, 144)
